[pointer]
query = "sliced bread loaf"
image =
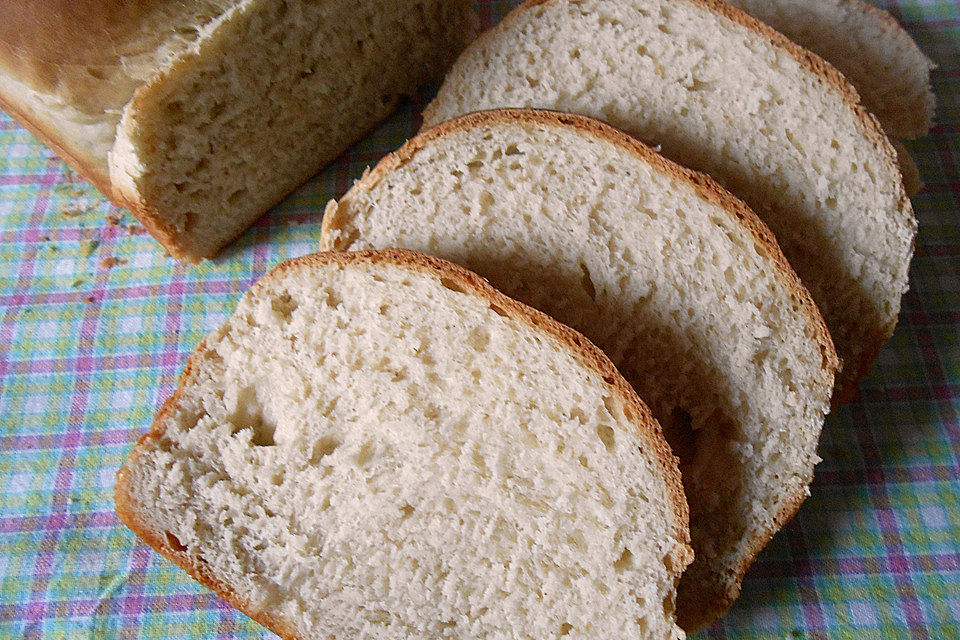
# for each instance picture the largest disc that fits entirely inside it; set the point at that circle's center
(869, 47)
(676, 280)
(380, 445)
(199, 116)
(727, 95)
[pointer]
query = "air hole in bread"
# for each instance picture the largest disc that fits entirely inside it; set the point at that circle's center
(332, 298)
(248, 414)
(577, 540)
(642, 625)
(236, 197)
(452, 284)
(324, 447)
(486, 201)
(624, 562)
(577, 414)
(365, 454)
(605, 433)
(565, 629)
(283, 306)
(263, 435)
(406, 511)
(174, 542)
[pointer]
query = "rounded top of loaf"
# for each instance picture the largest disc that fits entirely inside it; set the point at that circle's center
(93, 52)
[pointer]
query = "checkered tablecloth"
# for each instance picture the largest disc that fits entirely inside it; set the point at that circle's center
(96, 323)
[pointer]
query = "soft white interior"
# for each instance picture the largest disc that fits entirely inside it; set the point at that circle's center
(670, 286)
(276, 91)
(866, 44)
(370, 452)
(720, 98)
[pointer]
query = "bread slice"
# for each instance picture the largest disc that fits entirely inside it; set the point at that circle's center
(727, 95)
(380, 445)
(869, 47)
(676, 280)
(199, 116)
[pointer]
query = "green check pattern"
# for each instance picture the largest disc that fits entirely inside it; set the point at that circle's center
(96, 323)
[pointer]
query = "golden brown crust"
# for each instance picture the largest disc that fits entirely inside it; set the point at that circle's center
(41, 40)
(588, 354)
(706, 187)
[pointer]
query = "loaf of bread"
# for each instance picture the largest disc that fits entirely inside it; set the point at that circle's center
(381, 445)
(199, 116)
(869, 47)
(677, 281)
(727, 95)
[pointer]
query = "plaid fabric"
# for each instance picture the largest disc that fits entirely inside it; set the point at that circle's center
(97, 323)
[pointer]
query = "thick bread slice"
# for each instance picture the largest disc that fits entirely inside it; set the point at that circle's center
(199, 116)
(380, 445)
(727, 95)
(679, 283)
(868, 46)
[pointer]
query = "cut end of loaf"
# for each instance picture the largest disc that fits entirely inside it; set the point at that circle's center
(263, 101)
(334, 465)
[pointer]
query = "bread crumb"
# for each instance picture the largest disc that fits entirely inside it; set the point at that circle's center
(135, 230)
(89, 299)
(76, 212)
(88, 247)
(113, 221)
(78, 282)
(109, 262)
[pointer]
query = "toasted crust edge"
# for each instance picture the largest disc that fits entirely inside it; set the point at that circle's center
(704, 186)
(585, 352)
